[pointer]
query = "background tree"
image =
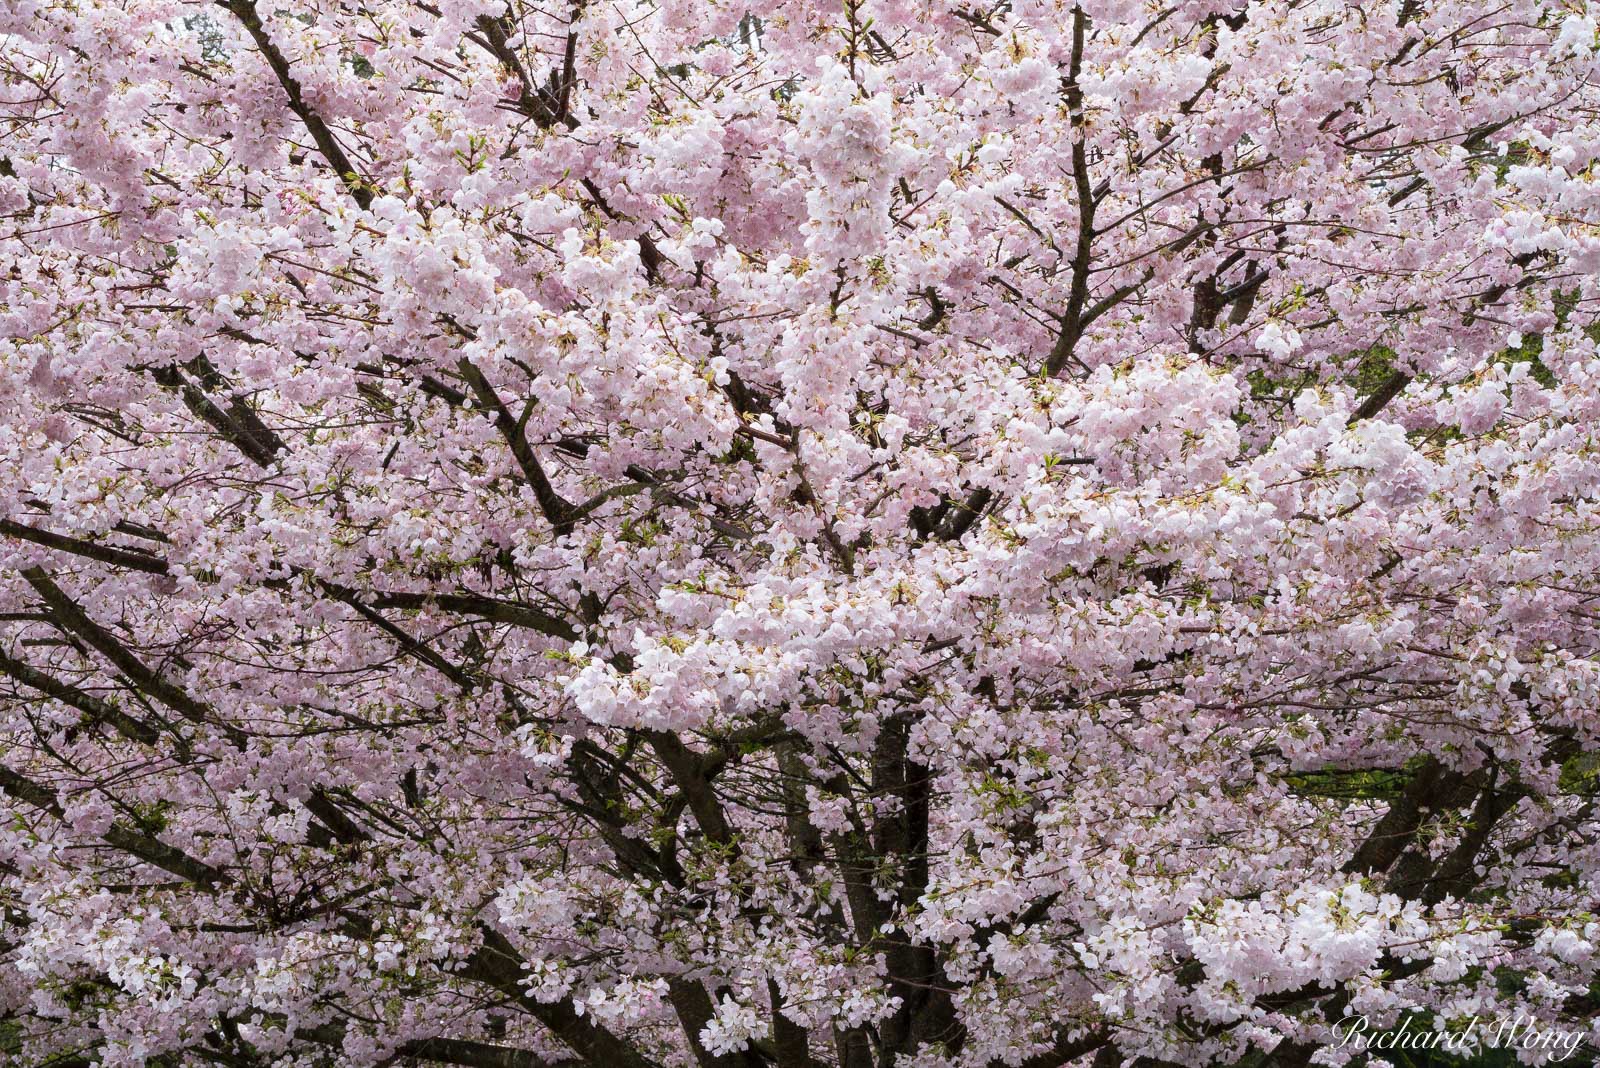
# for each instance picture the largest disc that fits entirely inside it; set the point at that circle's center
(894, 534)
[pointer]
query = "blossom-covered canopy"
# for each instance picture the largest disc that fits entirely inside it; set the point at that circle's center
(860, 533)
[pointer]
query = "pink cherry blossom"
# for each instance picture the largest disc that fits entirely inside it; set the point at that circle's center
(877, 534)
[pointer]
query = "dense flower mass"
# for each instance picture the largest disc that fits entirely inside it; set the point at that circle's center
(860, 533)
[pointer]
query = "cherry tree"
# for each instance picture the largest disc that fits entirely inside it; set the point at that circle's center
(868, 533)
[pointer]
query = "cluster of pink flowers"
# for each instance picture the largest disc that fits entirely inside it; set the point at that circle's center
(877, 533)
